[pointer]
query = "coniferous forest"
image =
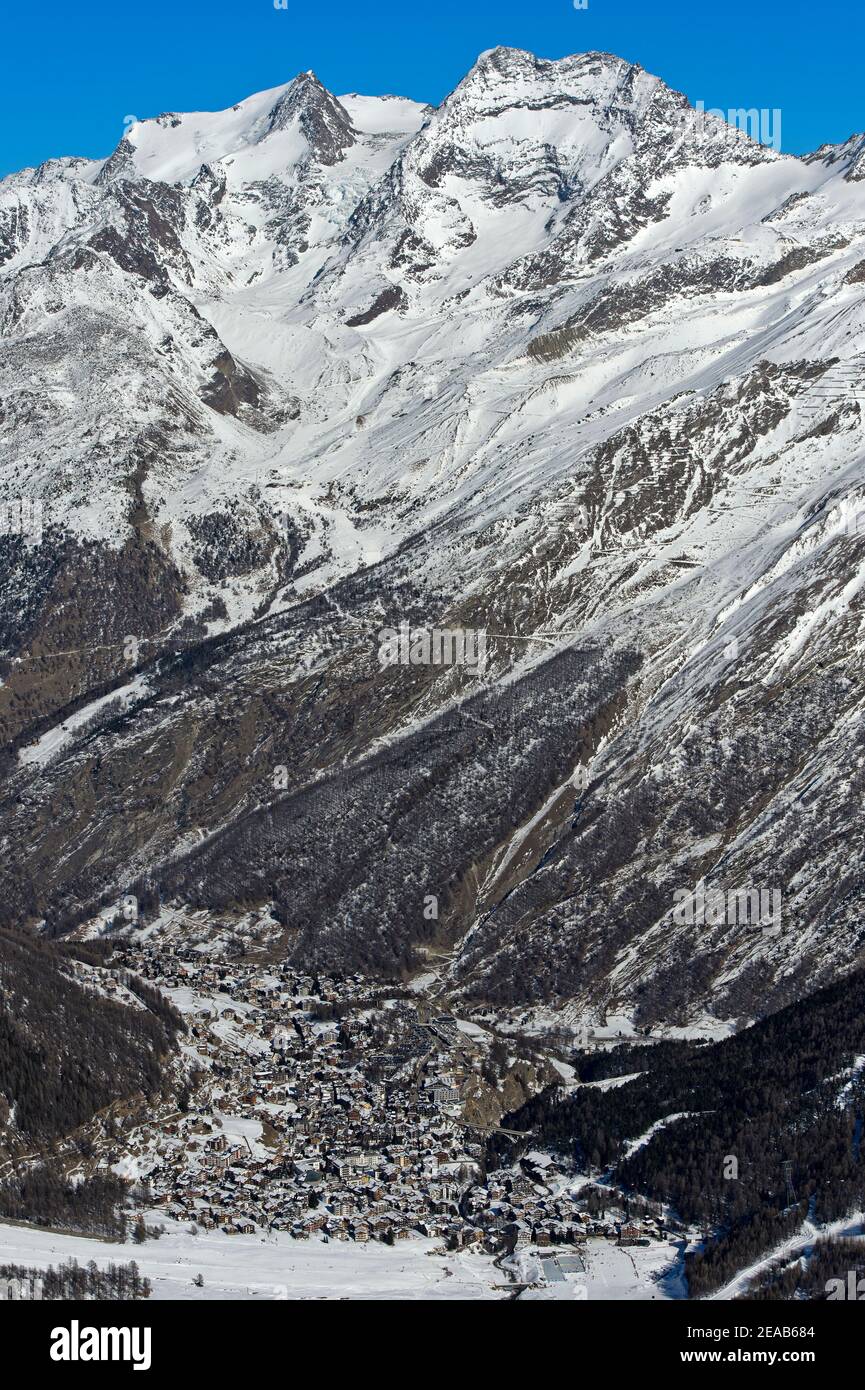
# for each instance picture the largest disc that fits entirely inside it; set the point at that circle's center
(43, 1196)
(730, 1116)
(65, 1052)
(810, 1275)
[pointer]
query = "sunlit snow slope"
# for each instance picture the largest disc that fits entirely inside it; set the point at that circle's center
(557, 360)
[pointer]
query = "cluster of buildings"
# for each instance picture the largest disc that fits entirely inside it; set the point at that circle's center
(329, 1108)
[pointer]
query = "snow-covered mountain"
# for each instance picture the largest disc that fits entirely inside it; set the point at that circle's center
(561, 360)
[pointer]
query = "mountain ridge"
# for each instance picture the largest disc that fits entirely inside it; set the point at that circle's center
(549, 361)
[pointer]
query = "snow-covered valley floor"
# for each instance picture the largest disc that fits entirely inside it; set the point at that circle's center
(272, 1267)
(278, 1267)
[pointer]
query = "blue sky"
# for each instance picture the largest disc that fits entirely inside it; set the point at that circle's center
(72, 72)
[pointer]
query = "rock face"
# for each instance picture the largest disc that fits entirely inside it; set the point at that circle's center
(324, 124)
(561, 361)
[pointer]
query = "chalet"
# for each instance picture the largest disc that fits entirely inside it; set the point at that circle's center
(629, 1233)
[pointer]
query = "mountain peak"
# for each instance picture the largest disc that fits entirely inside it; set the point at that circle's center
(513, 76)
(502, 55)
(506, 62)
(849, 153)
(325, 123)
(308, 79)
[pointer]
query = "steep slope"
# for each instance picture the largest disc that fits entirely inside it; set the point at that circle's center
(557, 361)
(67, 1048)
